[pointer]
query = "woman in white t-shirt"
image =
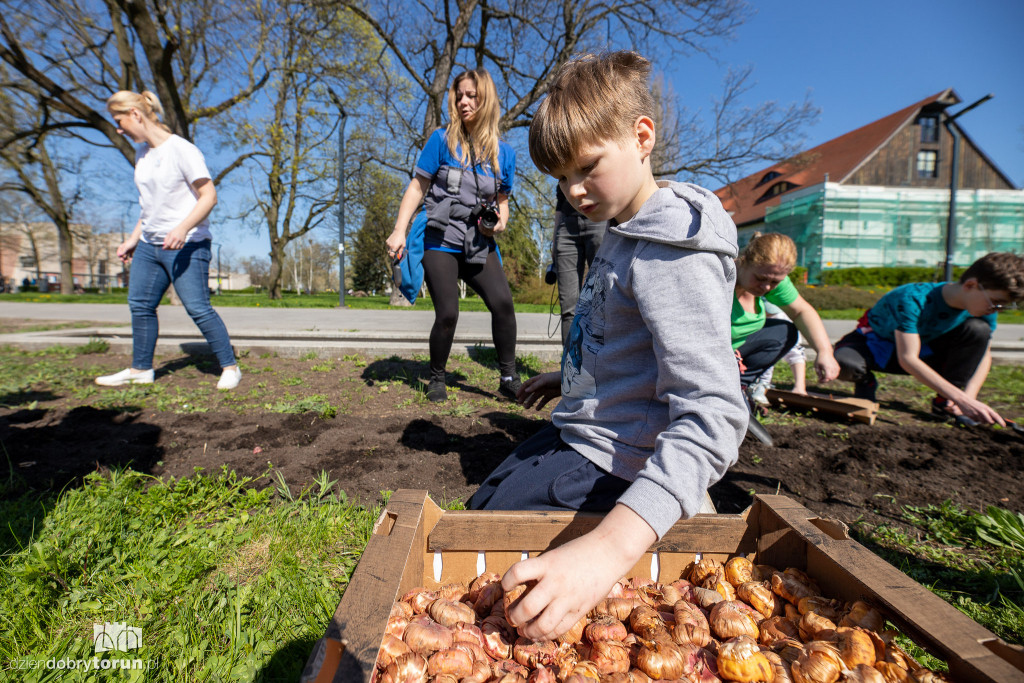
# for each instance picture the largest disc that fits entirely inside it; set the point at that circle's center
(171, 242)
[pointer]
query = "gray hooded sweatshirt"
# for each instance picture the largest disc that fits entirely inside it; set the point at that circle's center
(650, 386)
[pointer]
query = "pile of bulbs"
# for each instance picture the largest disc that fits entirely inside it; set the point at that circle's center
(731, 622)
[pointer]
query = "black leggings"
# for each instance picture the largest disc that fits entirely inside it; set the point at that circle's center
(766, 347)
(442, 271)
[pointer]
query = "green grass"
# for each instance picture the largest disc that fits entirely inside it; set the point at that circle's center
(471, 303)
(973, 560)
(227, 581)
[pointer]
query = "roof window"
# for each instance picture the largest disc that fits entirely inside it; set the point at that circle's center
(776, 189)
(770, 175)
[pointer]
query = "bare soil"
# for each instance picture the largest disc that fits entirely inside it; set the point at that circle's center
(385, 436)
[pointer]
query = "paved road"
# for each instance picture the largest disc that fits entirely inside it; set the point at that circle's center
(296, 331)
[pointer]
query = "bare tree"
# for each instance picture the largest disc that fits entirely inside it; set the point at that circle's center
(735, 136)
(522, 44)
(52, 183)
(66, 57)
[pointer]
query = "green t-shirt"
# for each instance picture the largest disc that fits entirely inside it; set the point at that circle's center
(745, 324)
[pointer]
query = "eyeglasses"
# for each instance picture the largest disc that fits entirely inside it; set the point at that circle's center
(995, 307)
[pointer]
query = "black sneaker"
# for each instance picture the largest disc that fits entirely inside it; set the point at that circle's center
(509, 388)
(866, 387)
(436, 391)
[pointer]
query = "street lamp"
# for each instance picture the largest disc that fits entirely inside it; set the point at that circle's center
(947, 274)
(341, 198)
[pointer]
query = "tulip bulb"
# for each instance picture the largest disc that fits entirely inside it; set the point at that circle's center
(819, 663)
(739, 570)
(732, 618)
(740, 659)
(702, 568)
(691, 625)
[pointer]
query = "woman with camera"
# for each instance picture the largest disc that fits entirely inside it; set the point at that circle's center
(464, 178)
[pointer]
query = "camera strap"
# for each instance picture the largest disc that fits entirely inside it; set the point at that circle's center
(476, 176)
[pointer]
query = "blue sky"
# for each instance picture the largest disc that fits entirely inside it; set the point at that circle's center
(858, 62)
(864, 60)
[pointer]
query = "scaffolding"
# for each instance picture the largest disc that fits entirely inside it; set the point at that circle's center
(842, 226)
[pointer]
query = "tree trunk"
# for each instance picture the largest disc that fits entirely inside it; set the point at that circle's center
(276, 271)
(65, 249)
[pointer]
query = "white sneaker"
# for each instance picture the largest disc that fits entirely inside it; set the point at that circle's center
(126, 376)
(759, 393)
(229, 379)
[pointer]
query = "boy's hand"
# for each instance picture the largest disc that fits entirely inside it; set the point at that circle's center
(979, 412)
(542, 388)
(574, 577)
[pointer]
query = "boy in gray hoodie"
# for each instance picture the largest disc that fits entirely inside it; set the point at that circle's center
(651, 410)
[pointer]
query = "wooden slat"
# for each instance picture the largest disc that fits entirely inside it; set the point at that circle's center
(362, 614)
(466, 530)
(848, 570)
(858, 409)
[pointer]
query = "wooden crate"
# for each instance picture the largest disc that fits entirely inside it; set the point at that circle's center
(415, 543)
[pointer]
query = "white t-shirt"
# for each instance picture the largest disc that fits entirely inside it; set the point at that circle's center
(164, 176)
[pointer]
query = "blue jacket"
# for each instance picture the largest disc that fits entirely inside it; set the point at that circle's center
(411, 265)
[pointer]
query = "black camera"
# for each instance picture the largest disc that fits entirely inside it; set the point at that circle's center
(484, 215)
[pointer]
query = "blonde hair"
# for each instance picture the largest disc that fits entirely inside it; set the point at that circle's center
(593, 98)
(770, 248)
(146, 102)
(485, 133)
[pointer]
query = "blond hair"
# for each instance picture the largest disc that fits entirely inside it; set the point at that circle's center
(146, 102)
(484, 140)
(770, 248)
(592, 99)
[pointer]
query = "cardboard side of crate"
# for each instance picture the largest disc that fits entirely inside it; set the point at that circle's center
(417, 544)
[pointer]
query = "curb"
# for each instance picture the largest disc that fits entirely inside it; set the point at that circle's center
(293, 344)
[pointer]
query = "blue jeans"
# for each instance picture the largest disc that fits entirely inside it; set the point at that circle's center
(153, 271)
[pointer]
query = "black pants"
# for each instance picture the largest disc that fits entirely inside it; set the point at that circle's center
(766, 347)
(575, 242)
(442, 271)
(955, 355)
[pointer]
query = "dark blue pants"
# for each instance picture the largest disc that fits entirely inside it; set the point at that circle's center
(545, 473)
(955, 355)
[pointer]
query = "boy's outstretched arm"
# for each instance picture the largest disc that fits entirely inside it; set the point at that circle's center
(908, 349)
(574, 577)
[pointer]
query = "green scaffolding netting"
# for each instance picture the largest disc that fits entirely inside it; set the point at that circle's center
(837, 226)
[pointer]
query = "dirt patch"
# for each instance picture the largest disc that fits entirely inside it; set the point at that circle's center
(371, 430)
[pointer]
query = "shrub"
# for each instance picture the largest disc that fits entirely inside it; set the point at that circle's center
(835, 298)
(534, 291)
(892, 276)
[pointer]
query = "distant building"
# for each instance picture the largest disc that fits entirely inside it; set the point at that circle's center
(28, 252)
(879, 196)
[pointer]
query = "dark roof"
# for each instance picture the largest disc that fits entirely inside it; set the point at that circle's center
(838, 158)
